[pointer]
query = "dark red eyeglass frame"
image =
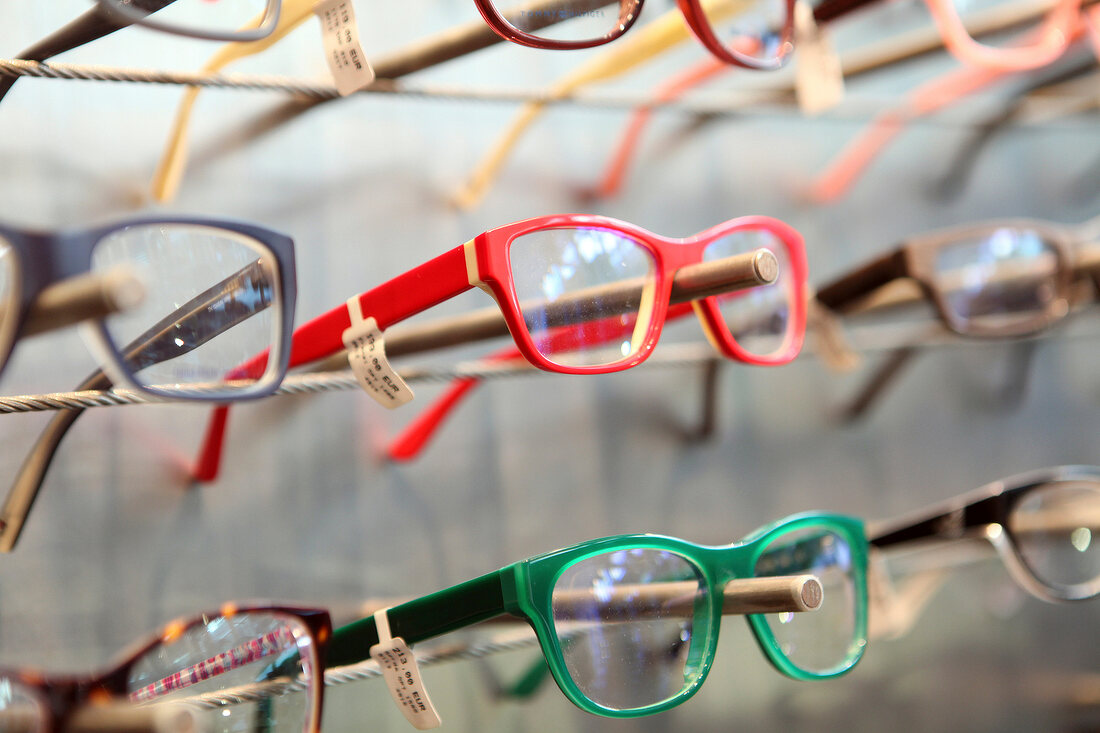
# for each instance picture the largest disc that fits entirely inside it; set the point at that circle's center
(64, 694)
(694, 15)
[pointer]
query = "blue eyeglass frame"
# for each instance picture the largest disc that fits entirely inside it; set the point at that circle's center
(145, 16)
(43, 259)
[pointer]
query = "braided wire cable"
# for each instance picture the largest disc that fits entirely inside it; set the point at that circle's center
(317, 382)
(864, 339)
(368, 669)
(726, 102)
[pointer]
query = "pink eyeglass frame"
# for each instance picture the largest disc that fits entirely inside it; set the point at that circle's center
(1059, 29)
(842, 173)
(694, 16)
(483, 262)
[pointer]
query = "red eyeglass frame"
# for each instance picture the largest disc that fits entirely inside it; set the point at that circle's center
(483, 262)
(669, 255)
(694, 15)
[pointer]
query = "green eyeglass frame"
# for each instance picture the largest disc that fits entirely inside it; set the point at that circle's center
(526, 590)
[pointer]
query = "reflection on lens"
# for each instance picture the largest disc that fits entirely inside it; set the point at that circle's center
(210, 305)
(574, 21)
(1056, 530)
(759, 318)
(9, 297)
(627, 624)
(21, 708)
(751, 28)
(821, 641)
(1006, 279)
(586, 295)
(238, 674)
(203, 16)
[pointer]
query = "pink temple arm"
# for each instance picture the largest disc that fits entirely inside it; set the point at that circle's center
(927, 99)
(239, 656)
(858, 155)
(412, 440)
(670, 91)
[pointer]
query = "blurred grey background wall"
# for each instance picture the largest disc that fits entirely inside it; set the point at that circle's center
(307, 510)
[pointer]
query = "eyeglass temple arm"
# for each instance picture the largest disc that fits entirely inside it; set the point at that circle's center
(424, 618)
(841, 173)
(969, 152)
(947, 522)
(888, 371)
(415, 436)
(443, 277)
(931, 97)
(843, 293)
(217, 664)
(876, 385)
(869, 58)
(829, 10)
(643, 44)
(199, 318)
(91, 25)
(426, 53)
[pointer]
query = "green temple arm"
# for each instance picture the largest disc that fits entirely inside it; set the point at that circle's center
(425, 618)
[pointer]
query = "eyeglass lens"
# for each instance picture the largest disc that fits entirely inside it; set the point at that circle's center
(586, 295)
(22, 710)
(1055, 529)
(752, 28)
(1004, 279)
(573, 21)
(823, 641)
(759, 318)
(238, 674)
(627, 623)
(204, 16)
(9, 297)
(224, 280)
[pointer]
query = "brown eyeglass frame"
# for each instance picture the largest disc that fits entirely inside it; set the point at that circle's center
(63, 695)
(915, 259)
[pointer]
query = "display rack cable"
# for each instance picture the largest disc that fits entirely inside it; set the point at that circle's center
(758, 102)
(866, 339)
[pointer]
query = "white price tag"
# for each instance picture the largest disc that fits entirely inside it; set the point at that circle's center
(818, 79)
(367, 358)
(345, 56)
(402, 675)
